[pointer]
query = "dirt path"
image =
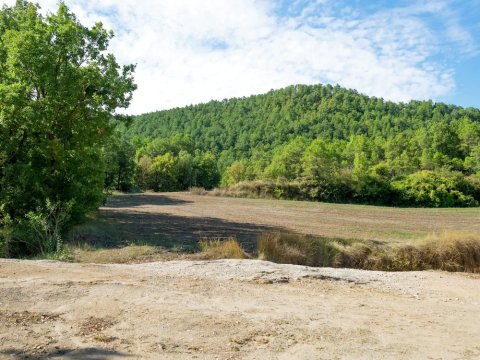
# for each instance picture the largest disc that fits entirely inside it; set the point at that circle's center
(180, 219)
(233, 309)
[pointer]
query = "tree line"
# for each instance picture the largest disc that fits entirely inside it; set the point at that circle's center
(323, 143)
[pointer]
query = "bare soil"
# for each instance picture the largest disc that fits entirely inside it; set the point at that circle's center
(233, 309)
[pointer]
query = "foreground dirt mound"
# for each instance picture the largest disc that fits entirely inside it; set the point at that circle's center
(233, 309)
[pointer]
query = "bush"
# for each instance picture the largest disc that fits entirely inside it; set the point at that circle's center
(471, 186)
(39, 233)
(289, 190)
(434, 189)
(423, 188)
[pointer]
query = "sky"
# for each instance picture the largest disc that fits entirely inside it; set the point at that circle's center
(193, 51)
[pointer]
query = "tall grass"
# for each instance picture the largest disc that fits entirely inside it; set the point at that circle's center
(217, 248)
(447, 251)
(452, 252)
(297, 249)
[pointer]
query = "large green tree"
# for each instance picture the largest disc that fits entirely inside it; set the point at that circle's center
(59, 88)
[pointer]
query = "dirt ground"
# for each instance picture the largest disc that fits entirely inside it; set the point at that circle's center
(233, 309)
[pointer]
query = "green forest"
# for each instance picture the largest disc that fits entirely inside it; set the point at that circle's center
(320, 142)
(64, 146)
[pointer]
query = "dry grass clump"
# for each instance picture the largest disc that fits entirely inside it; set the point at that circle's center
(221, 192)
(298, 249)
(214, 249)
(452, 251)
(447, 251)
(197, 190)
(94, 327)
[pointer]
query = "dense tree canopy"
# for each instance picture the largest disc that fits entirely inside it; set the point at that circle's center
(58, 92)
(332, 144)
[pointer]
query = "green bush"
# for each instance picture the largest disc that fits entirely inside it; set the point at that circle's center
(39, 233)
(435, 189)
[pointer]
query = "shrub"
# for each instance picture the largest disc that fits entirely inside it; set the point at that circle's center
(471, 185)
(288, 190)
(434, 189)
(39, 233)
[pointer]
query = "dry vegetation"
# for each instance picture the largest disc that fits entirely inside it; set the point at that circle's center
(214, 249)
(447, 251)
(26, 318)
(123, 255)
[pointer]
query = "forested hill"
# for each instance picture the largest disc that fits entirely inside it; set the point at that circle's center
(262, 122)
(272, 136)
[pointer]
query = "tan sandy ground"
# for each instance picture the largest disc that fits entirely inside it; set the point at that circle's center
(234, 309)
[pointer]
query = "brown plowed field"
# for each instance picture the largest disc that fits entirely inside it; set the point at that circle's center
(175, 219)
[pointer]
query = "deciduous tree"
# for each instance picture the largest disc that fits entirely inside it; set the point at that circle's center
(59, 88)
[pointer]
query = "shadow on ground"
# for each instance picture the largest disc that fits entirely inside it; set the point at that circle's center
(121, 224)
(137, 200)
(67, 354)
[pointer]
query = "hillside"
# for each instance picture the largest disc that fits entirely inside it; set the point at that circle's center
(340, 145)
(243, 126)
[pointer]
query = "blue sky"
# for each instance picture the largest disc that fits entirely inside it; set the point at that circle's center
(455, 26)
(191, 51)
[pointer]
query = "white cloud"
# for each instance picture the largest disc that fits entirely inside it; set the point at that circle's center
(191, 51)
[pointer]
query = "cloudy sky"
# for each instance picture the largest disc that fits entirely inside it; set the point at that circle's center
(192, 51)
